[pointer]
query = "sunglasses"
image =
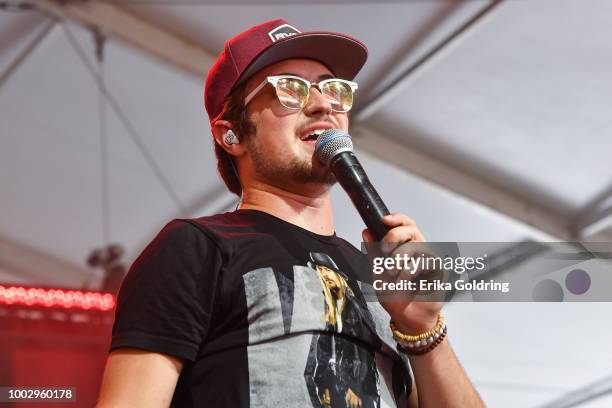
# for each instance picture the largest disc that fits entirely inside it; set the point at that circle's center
(293, 91)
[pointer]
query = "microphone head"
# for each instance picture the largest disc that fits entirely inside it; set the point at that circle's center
(330, 143)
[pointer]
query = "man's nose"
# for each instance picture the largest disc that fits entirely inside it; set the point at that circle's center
(317, 103)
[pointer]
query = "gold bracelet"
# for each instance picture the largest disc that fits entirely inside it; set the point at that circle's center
(407, 338)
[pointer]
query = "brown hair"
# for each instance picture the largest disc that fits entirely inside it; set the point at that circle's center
(234, 112)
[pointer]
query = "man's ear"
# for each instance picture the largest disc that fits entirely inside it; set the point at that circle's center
(227, 138)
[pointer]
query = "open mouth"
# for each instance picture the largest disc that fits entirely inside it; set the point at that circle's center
(312, 137)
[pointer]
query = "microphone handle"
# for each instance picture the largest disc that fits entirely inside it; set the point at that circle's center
(355, 182)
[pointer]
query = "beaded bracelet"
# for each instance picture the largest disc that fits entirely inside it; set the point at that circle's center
(421, 351)
(420, 343)
(407, 338)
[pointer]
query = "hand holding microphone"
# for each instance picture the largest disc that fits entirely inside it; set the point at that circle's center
(334, 148)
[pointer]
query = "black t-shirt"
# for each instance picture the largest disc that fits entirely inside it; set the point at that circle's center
(263, 313)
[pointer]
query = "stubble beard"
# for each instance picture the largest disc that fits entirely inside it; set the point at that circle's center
(297, 170)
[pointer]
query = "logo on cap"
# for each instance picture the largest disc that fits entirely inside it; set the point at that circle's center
(283, 31)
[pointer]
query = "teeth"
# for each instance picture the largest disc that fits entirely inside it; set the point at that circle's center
(315, 133)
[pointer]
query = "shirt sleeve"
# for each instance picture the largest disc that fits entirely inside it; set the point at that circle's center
(165, 301)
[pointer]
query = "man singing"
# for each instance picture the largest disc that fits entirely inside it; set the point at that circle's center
(262, 307)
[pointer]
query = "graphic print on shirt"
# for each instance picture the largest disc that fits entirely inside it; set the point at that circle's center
(339, 373)
(311, 330)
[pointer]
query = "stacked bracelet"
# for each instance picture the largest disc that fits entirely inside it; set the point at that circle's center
(420, 343)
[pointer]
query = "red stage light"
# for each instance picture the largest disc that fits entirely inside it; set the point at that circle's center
(56, 298)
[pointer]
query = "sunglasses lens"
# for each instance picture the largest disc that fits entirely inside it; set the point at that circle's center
(339, 95)
(292, 92)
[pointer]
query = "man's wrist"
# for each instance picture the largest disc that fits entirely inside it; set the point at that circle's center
(423, 342)
(415, 325)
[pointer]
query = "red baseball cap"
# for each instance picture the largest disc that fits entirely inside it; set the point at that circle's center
(274, 41)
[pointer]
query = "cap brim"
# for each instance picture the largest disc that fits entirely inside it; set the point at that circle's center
(343, 55)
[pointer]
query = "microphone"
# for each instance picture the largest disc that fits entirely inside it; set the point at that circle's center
(334, 149)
